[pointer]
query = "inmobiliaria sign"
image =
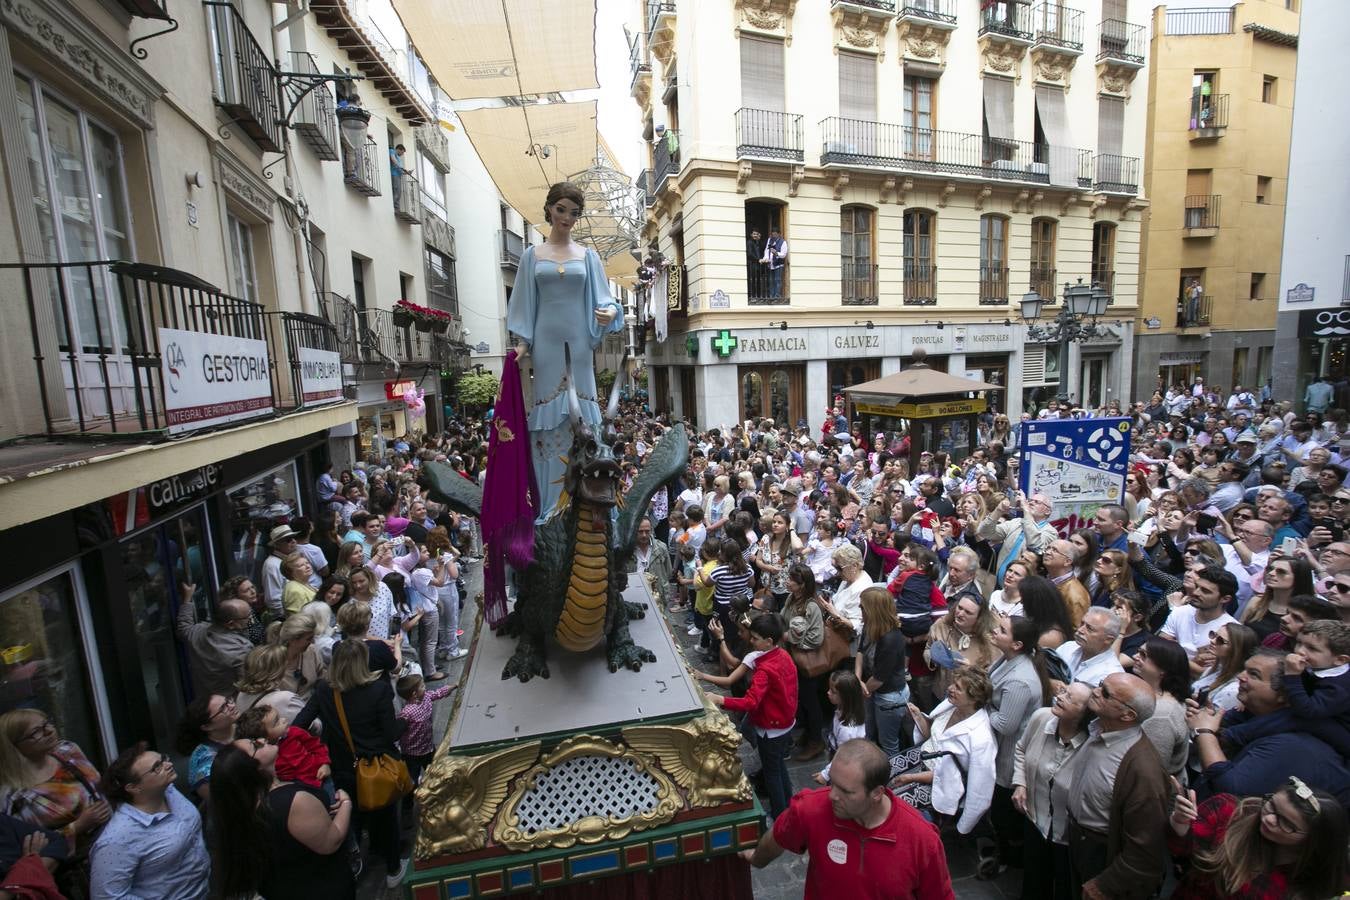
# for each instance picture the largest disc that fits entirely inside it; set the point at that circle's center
(212, 379)
(320, 376)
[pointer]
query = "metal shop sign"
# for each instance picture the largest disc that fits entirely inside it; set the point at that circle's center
(320, 376)
(1324, 323)
(212, 379)
(922, 410)
(394, 390)
(150, 502)
(1079, 464)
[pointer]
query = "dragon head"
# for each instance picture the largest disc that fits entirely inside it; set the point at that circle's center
(592, 473)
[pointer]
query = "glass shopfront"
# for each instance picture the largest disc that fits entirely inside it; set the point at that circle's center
(44, 633)
(256, 507)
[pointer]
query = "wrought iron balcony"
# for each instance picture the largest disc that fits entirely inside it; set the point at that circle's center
(315, 121)
(993, 285)
(407, 198)
(1201, 214)
(920, 283)
(401, 343)
(305, 332)
(347, 324)
(1042, 281)
(858, 283)
(1209, 116)
(361, 167)
(1120, 42)
(856, 142)
(644, 187)
(1116, 174)
(765, 134)
(513, 245)
(656, 11)
(1056, 26)
(886, 6)
(768, 287)
(665, 158)
(244, 81)
(1212, 20)
(937, 13)
(1105, 279)
(1194, 312)
(432, 141)
(96, 329)
(1007, 19)
(638, 61)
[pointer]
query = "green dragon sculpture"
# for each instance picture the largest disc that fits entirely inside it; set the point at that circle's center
(573, 592)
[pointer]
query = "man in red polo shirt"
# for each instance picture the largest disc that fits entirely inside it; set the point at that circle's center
(864, 843)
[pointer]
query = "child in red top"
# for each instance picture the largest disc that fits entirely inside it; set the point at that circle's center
(771, 703)
(300, 755)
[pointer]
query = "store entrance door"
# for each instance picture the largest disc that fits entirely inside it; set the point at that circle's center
(155, 563)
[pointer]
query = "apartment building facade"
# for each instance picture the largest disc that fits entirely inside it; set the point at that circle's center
(926, 162)
(1220, 108)
(203, 244)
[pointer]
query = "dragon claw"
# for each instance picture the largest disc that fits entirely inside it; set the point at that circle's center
(526, 663)
(629, 656)
(635, 610)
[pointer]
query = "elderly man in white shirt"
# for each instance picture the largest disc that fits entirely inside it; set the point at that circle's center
(1090, 658)
(1246, 553)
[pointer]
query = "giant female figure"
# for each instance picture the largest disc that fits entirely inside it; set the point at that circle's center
(561, 299)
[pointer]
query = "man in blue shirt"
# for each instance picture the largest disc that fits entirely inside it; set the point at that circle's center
(1112, 523)
(152, 846)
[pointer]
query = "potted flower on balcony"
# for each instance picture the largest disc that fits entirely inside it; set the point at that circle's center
(440, 321)
(404, 312)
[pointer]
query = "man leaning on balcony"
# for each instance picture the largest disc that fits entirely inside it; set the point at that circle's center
(775, 255)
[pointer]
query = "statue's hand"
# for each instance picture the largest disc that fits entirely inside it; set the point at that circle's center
(604, 315)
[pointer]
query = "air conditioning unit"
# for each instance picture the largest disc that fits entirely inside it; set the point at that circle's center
(1039, 168)
(1005, 165)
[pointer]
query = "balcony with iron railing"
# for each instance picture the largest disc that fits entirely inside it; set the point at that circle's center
(315, 119)
(1201, 215)
(1198, 22)
(1194, 312)
(993, 285)
(108, 342)
(880, 6)
(860, 143)
(1115, 174)
(656, 11)
(513, 245)
(765, 134)
(644, 187)
(361, 166)
(639, 63)
(1008, 20)
(407, 198)
(768, 287)
(858, 283)
(920, 283)
(928, 13)
(1041, 279)
(432, 140)
(244, 81)
(1208, 116)
(1120, 42)
(1057, 28)
(665, 158)
(342, 314)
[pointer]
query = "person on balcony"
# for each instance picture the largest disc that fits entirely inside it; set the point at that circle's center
(775, 257)
(754, 267)
(1194, 291)
(396, 170)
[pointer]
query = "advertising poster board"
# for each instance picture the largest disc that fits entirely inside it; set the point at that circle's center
(1080, 464)
(212, 379)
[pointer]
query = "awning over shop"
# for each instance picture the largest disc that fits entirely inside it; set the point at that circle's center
(504, 48)
(916, 383)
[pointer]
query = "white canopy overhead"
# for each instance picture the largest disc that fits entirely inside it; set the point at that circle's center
(504, 48)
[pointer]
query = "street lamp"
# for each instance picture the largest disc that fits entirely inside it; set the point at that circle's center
(1082, 302)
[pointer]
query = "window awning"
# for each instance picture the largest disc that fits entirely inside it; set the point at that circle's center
(998, 107)
(504, 48)
(1063, 157)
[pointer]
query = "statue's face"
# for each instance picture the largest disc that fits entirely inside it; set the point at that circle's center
(594, 473)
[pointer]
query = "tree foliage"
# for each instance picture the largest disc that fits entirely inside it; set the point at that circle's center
(478, 389)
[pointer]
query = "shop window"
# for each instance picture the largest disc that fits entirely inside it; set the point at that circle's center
(256, 506)
(43, 665)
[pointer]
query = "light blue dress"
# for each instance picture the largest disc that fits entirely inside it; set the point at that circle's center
(549, 310)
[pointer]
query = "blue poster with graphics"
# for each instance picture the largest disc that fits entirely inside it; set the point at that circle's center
(1080, 464)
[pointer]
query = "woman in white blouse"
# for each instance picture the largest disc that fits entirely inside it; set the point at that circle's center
(846, 603)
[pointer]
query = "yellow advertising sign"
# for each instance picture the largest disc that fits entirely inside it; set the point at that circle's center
(923, 410)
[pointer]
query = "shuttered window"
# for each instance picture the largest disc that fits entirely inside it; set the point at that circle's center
(857, 86)
(1110, 125)
(998, 108)
(762, 74)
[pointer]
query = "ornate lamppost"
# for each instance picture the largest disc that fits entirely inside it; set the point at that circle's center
(1076, 321)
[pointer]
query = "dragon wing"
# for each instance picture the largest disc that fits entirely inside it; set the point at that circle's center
(451, 488)
(673, 746)
(666, 462)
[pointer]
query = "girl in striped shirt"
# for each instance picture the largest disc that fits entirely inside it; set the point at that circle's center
(732, 578)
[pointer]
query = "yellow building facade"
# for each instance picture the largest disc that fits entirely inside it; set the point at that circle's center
(926, 163)
(1220, 87)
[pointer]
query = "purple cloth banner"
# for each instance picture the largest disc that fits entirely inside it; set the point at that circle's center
(509, 493)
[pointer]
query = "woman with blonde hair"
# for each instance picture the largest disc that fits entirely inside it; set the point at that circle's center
(718, 504)
(263, 682)
(325, 632)
(880, 668)
(351, 556)
(304, 665)
(846, 603)
(1113, 573)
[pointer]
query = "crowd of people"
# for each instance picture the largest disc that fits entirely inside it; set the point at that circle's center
(1156, 701)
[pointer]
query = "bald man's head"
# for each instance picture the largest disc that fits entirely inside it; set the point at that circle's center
(871, 761)
(232, 613)
(1122, 700)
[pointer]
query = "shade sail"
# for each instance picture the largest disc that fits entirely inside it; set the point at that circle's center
(504, 48)
(501, 135)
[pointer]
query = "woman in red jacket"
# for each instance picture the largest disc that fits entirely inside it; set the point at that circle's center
(771, 703)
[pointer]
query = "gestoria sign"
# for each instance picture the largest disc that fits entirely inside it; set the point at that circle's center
(212, 379)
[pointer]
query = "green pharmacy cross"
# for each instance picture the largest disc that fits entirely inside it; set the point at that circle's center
(724, 343)
(691, 344)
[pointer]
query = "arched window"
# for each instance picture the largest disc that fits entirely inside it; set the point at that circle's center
(994, 259)
(858, 273)
(920, 244)
(1104, 257)
(1042, 274)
